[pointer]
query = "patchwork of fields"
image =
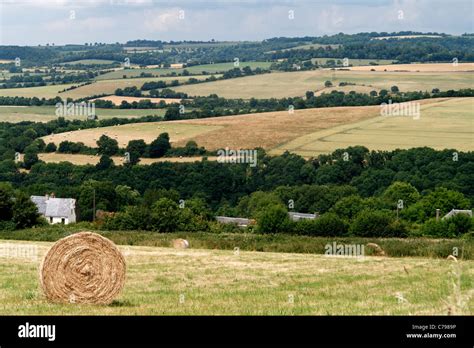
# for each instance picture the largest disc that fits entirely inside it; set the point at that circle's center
(292, 84)
(165, 281)
(443, 123)
(95, 88)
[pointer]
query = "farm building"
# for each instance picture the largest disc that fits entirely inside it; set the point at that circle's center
(241, 222)
(454, 212)
(244, 222)
(301, 216)
(56, 210)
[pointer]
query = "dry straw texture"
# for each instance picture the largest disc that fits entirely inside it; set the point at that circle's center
(83, 268)
(180, 243)
(377, 250)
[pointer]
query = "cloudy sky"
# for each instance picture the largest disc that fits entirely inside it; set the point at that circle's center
(32, 22)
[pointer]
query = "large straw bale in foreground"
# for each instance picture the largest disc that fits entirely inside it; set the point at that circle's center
(83, 268)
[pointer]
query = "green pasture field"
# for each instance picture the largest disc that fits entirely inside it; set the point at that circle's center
(196, 69)
(47, 113)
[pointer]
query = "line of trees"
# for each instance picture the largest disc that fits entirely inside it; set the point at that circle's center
(345, 183)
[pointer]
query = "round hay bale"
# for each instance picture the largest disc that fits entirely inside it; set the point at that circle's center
(452, 257)
(83, 268)
(180, 243)
(378, 251)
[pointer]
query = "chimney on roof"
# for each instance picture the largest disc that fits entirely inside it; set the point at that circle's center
(53, 195)
(46, 196)
(437, 214)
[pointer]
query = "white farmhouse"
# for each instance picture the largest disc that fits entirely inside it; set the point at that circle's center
(56, 210)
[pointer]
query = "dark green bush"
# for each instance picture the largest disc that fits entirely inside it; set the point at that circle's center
(448, 228)
(273, 219)
(377, 224)
(328, 224)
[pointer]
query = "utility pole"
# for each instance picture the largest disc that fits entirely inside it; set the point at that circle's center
(93, 204)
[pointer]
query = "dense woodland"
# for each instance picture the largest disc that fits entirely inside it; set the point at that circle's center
(362, 45)
(351, 192)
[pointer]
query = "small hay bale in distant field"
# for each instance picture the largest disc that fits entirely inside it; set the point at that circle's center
(83, 268)
(378, 251)
(452, 257)
(180, 243)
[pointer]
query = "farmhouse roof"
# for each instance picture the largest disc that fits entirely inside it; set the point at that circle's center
(55, 207)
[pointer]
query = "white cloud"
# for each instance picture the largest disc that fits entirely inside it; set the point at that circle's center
(163, 20)
(41, 21)
(91, 24)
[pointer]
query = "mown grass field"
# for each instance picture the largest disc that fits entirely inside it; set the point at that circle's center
(165, 281)
(196, 69)
(47, 113)
(148, 131)
(292, 84)
(446, 124)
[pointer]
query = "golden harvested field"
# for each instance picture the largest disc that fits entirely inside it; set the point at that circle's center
(89, 159)
(308, 132)
(117, 100)
(123, 134)
(292, 84)
(166, 281)
(443, 124)
(432, 67)
(109, 86)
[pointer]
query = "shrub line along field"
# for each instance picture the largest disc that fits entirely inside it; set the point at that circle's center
(443, 123)
(79, 159)
(252, 283)
(117, 100)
